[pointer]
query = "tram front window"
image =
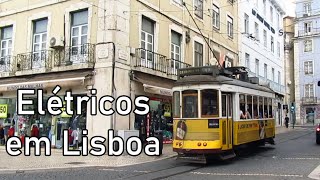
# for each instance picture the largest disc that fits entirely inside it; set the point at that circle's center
(176, 104)
(190, 104)
(209, 103)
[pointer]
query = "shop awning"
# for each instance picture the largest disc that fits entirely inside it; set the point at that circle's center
(155, 85)
(157, 90)
(39, 81)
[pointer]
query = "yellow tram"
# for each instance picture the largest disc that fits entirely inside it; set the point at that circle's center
(216, 111)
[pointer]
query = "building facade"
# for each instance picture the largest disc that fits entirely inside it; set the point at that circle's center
(289, 81)
(129, 48)
(306, 41)
(261, 46)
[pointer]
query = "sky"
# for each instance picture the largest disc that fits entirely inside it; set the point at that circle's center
(289, 7)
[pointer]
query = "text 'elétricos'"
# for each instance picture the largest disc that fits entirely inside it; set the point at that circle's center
(55, 103)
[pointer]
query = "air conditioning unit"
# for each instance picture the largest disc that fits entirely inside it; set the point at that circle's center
(57, 42)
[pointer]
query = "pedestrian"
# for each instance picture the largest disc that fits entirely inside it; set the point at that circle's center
(75, 138)
(11, 132)
(70, 138)
(1, 135)
(287, 121)
(35, 131)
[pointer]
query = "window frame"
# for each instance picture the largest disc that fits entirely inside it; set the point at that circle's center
(309, 70)
(230, 26)
(217, 102)
(305, 45)
(309, 93)
(198, 13)
(246, 23)
(198, 63)
(216, 16)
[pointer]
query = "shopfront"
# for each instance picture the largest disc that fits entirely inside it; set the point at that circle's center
(160, 103)
(48, 125)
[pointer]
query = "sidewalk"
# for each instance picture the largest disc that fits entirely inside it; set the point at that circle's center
(58, 161)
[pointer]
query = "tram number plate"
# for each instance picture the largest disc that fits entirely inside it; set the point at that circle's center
(3, 110)
(213, 123)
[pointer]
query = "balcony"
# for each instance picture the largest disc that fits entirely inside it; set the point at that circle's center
(34, 62)
(313, 32)
(309, 100)
(74, 57)
(157, 64)
(7, 65)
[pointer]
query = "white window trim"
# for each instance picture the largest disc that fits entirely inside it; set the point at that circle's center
(304, 72)
(173, 2)
(219, 13)
(194, 12)
(13, 24)
(314, 89)
(312, 46)
(233, 25)
(156, 29)
(176, 28)
(30, 28)
(198, 40)
(245, 25)
(68, 11)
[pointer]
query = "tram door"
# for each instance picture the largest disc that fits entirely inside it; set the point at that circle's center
(227, 114)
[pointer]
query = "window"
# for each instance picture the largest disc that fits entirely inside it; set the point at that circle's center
(278, 21)
(247, 58)
(230, 26)
(265, 108)
(249, 107)
(270, 108)
(279, 77)
(265, 38)
(175, 50)
(147, 41)
(256, 27)
(242, 101)
(6, 46)
(307, 8)
(209, 103)
(307, 45)
(271, 14)
(257, 67)
(272, 74)
(260, 107)
(79, 32)
(176, 104)
(39, 42)
(266, 71)
(272, 44)
(255, 114)
(198, 8)
(309, 90)
(308, 68)
(278, 47)
(307, 27)
(216, 17)
(246, 23)
(264, 8)
(190, 104)
(198, 54)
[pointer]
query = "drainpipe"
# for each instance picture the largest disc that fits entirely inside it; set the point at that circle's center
(113, 117)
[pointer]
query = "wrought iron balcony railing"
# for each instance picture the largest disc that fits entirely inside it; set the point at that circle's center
(82, 54)
(313, 31)
(34, 60)
(6, 63)
(151, 60)
(309, 100)
(174, 65)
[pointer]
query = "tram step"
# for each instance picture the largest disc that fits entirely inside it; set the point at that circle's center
(192, 159)
(227, 155)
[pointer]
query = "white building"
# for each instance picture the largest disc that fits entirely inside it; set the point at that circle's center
(261, 45)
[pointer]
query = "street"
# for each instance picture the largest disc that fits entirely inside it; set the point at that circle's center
(294, 156)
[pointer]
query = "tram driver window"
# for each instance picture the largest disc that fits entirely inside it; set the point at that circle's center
(190, 104)
(209, 103)
(242, 109)
(176, 104)
(270, 108)
(260, 107)
(265, 108)
(255, 107)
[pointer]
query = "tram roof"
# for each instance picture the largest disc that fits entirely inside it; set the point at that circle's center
(216, 78)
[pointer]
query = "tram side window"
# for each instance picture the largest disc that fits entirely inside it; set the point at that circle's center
(270, 108)
(242, 106)
(176, 104)
(255, 107)
(190, 104)
(265, 109)
(209, 103)
(260, 107)
(224, 105)
(249, 107)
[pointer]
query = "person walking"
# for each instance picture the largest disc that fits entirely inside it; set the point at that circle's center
(286, 121)
(1, 135)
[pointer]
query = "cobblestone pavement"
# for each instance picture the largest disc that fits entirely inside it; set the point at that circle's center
(57, 160)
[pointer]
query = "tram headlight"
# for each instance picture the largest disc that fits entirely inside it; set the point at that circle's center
(204, 144)
(199, 143)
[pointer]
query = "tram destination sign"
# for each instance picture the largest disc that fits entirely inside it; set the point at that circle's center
(25, 86)
(198, 71)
